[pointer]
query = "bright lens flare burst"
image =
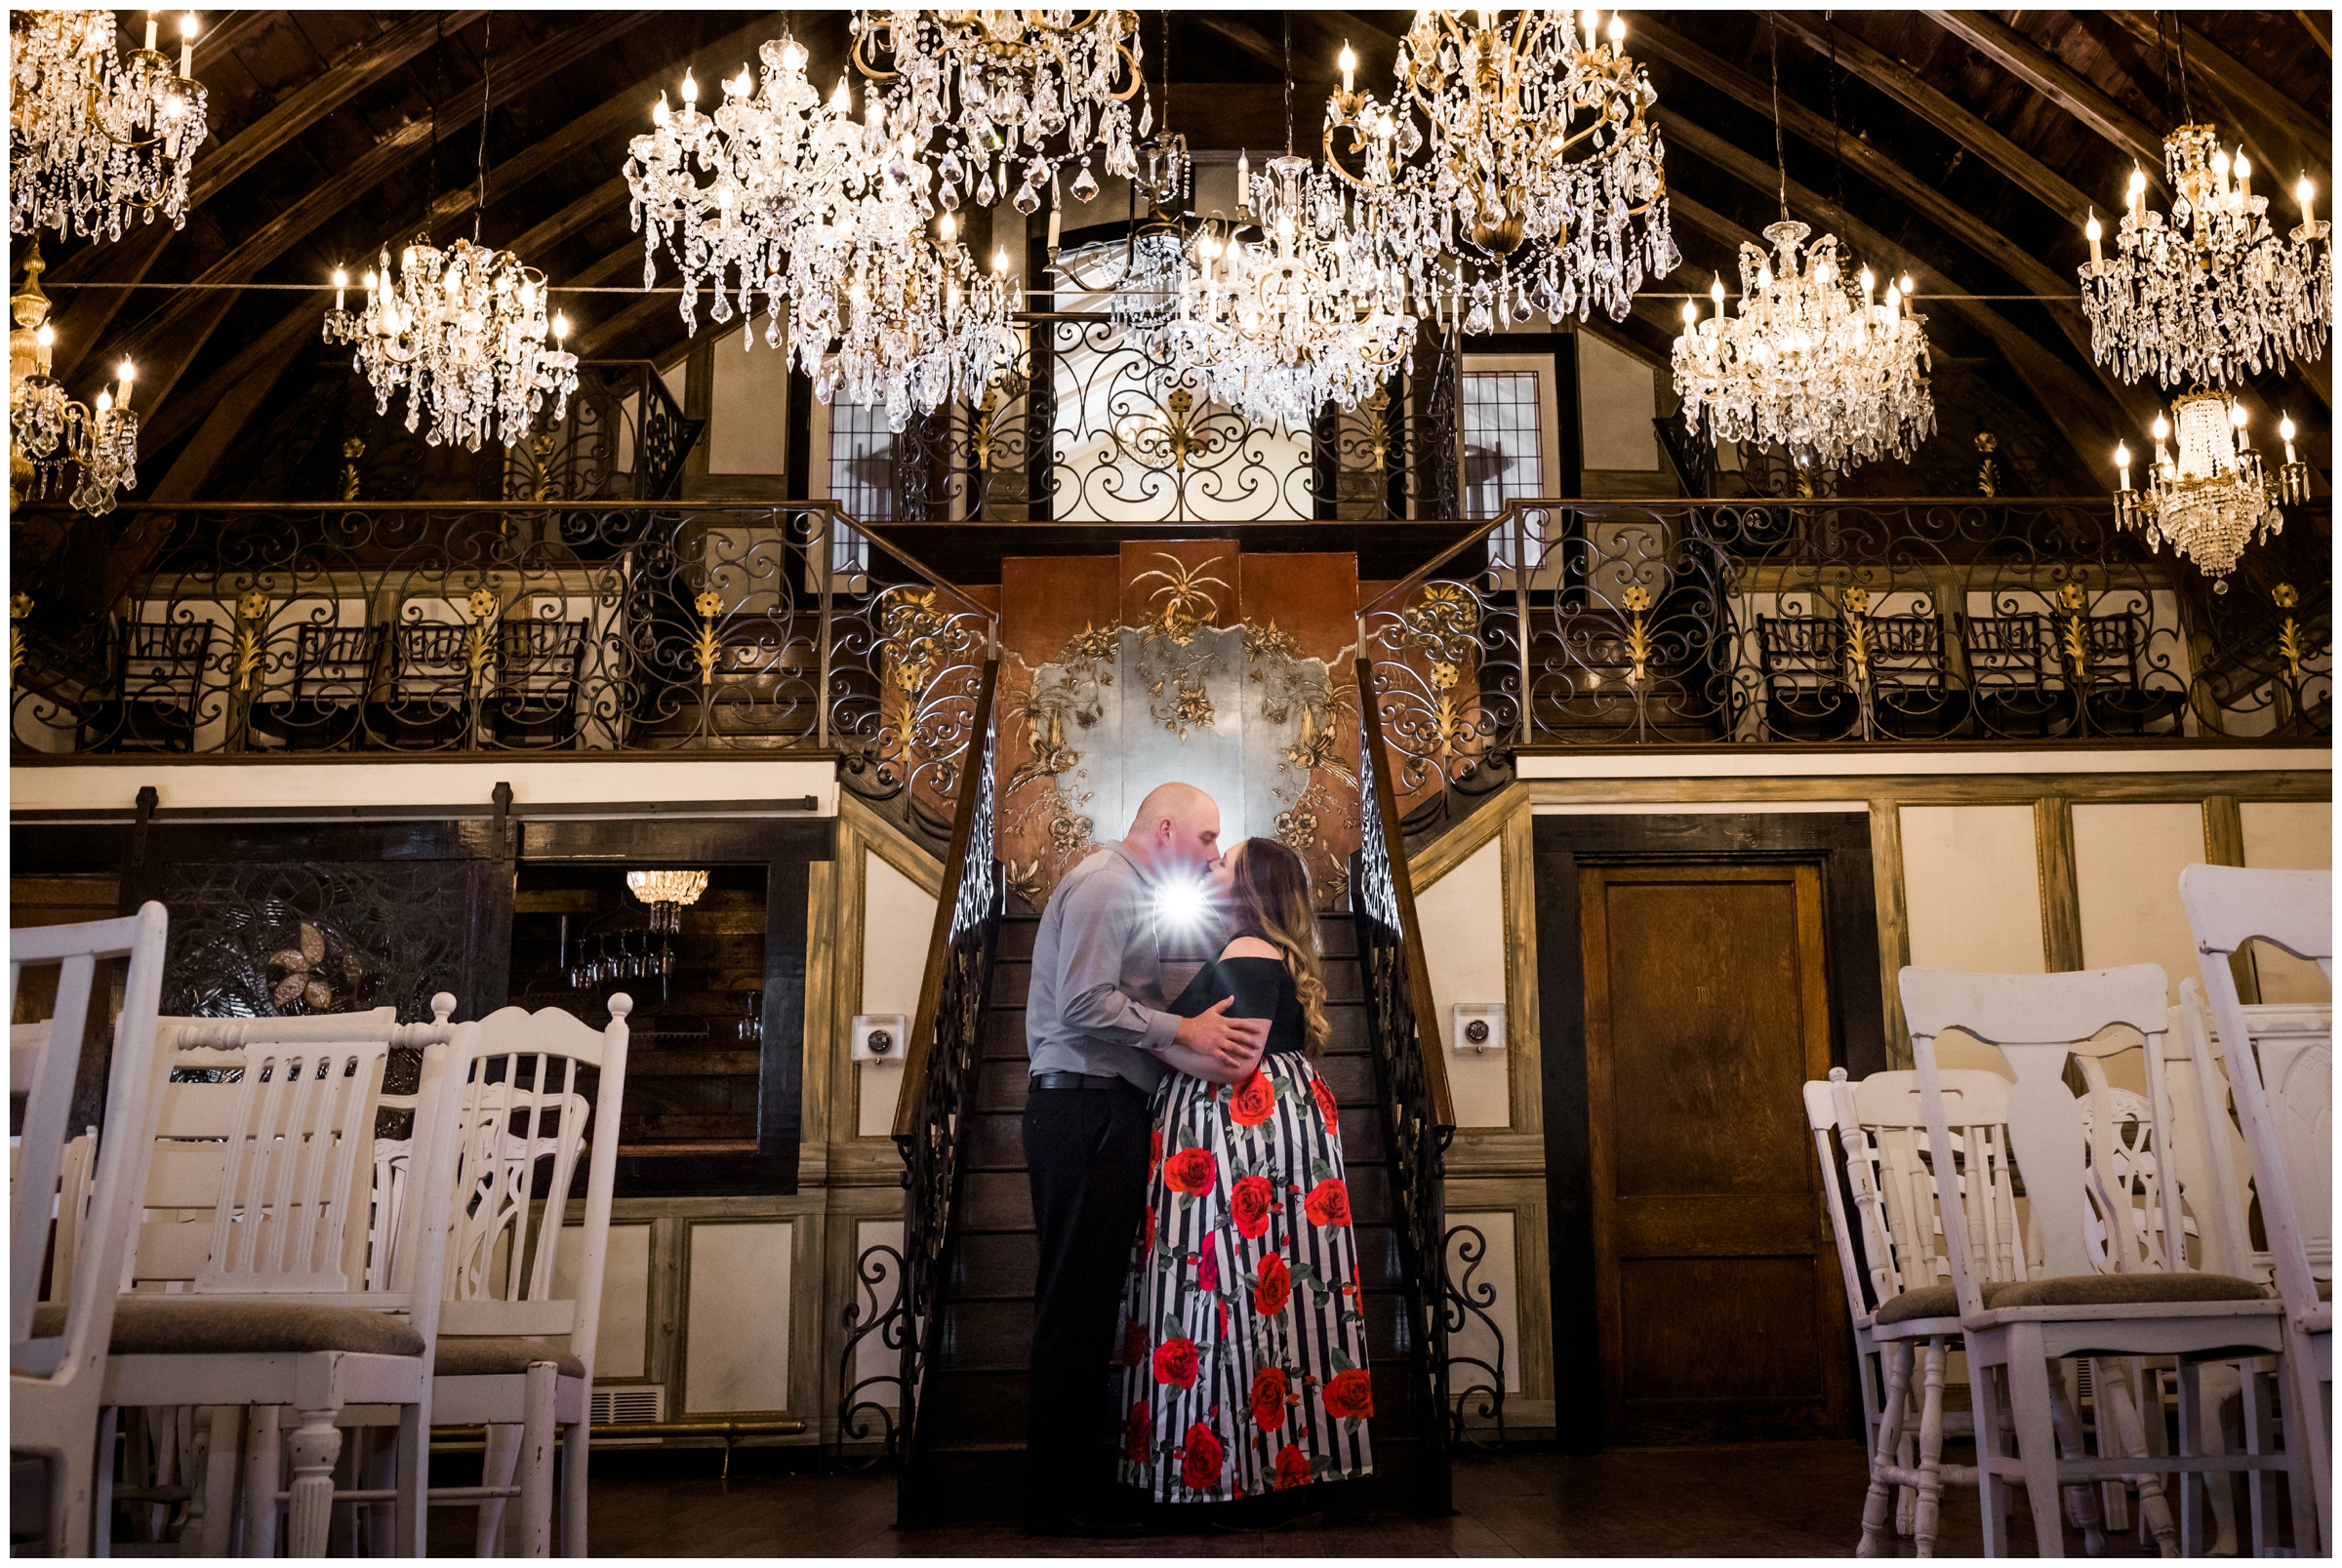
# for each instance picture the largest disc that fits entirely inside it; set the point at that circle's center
(1183, 903)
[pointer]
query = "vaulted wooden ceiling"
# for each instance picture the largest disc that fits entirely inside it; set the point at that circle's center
(1968, 146)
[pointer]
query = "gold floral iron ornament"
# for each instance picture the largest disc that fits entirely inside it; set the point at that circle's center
(2289, 632)
(1856, 603)
(18, 608)
(251, 614)
(1637, 600)
(1182, 607)
(704, 645)
(912, 640)
(479, 646)
(301, 977)
(2074, 600)
(351, 451)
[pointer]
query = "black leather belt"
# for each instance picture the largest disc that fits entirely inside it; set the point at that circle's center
(1083, 1080)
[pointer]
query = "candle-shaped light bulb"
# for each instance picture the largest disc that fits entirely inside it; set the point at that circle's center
(1618, 28)
(2138, 187)
(1350, 65)
(793, 56)
(1869, 282)
(2284, 433)
(341, 286)
(187, 44)
(691, 90)
(2242, 168)
(2093, 233)
(45, 336)
(2302, 193)
(2122, 462)
(2162, 429)
(150, 26)
(125, 373)
(1691, 315)
(841, 101)
(948, 227)
(1908, 289)
(1000, 261)
(1764, 276)
(658, 110)
(106, 401)
(1715, 292)
(1894, 298)
(1056, 215)
(560, 327)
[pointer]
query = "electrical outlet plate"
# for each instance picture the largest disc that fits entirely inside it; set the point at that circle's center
(880, 1036)
(1478, 1027)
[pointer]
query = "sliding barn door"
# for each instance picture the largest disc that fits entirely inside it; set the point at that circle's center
(1720, 1315)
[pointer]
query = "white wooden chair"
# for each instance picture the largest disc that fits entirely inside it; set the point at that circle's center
(249, 1281)
(57, 1356)
(2281, 1080)
(2012, 1325)
(516, 1351)
(1909, 1313)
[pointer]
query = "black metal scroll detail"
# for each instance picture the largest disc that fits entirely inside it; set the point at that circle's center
(891, 1321)
(947, 1037)
(1461, 1302)
(1418, 1138)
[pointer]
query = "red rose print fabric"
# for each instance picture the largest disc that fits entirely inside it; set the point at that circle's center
(1244, 1348)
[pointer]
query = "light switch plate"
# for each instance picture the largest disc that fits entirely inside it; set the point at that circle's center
(1478, 1027)
(880, 1037)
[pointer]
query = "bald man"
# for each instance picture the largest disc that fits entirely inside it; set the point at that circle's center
(1101, 1038)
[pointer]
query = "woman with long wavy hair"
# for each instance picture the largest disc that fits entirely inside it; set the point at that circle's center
(1243, 1340)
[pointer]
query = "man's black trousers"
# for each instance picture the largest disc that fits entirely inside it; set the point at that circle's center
(1085, 1151)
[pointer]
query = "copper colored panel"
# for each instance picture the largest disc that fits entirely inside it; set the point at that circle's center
(1195, 578)
(1310, 599)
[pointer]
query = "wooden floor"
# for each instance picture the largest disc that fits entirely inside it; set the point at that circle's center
(1784, 1499)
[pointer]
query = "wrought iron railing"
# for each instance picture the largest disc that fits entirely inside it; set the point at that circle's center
(622, 437)
(1822, 620)
(486, 627)
(1402, 1033)
(939, 1072)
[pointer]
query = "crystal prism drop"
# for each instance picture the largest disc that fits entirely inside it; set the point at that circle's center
(1085, 184)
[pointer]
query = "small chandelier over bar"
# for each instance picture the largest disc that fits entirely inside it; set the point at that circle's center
(98, 141)
(1016, 94)
(2212, 499)
(461, 332)
(1544, 182)
(2214, 292)
(668, 894)
(1812, 362)
(49, 431)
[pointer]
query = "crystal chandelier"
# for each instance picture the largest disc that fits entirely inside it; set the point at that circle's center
(1312, 311)
(2214, 293)
(96, 140)
(1015, 95)
(48, 432)
(1812, 362)
(892, 318)
(2213, 499)
(460, 330)
(762, 151)
(1544, 187)
(668, 894)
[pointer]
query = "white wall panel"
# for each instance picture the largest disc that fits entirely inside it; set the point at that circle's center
(1617, 399)
(622, 1338)
(1463, 921)
(1498, 1269)
(2289, 835)
(2127, 860)
(735, 1337)
(897, 919)
(1972, 889)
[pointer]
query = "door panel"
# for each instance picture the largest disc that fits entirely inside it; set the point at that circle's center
(1705, 1011)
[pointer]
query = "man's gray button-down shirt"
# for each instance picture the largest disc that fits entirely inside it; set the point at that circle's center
(1096, 1000)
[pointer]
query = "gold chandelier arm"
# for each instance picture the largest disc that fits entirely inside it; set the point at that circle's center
(862, 62)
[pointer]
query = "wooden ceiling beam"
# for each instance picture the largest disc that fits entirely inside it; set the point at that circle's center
(2233, 77)
(2038, 69)
(2076, 407)
(2319, 24)
(1914, 92)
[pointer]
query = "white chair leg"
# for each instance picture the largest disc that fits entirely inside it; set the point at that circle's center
(497, 1464)
(410, 1531)
(94, 1490)
(2305, 1392)
(536, 1459)
(2126, 1435)
(210, 1533)
(2035, 1423)
(380, 1473)
(1930, 1508)
(1879, 1504)
(1991, 1488)
(2081, 1500)
(316, 1444)
(263, 1474)
(2223, 1384)
(575, 1463)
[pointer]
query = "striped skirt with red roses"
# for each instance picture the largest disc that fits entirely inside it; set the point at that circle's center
(1244, 1338)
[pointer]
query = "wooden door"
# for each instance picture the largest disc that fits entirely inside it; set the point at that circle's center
(1719, 1314)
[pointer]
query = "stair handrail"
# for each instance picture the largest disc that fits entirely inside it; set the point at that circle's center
(1403, 1030)
(940, 1056)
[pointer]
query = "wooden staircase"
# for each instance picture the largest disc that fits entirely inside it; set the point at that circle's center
(968, 1458)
